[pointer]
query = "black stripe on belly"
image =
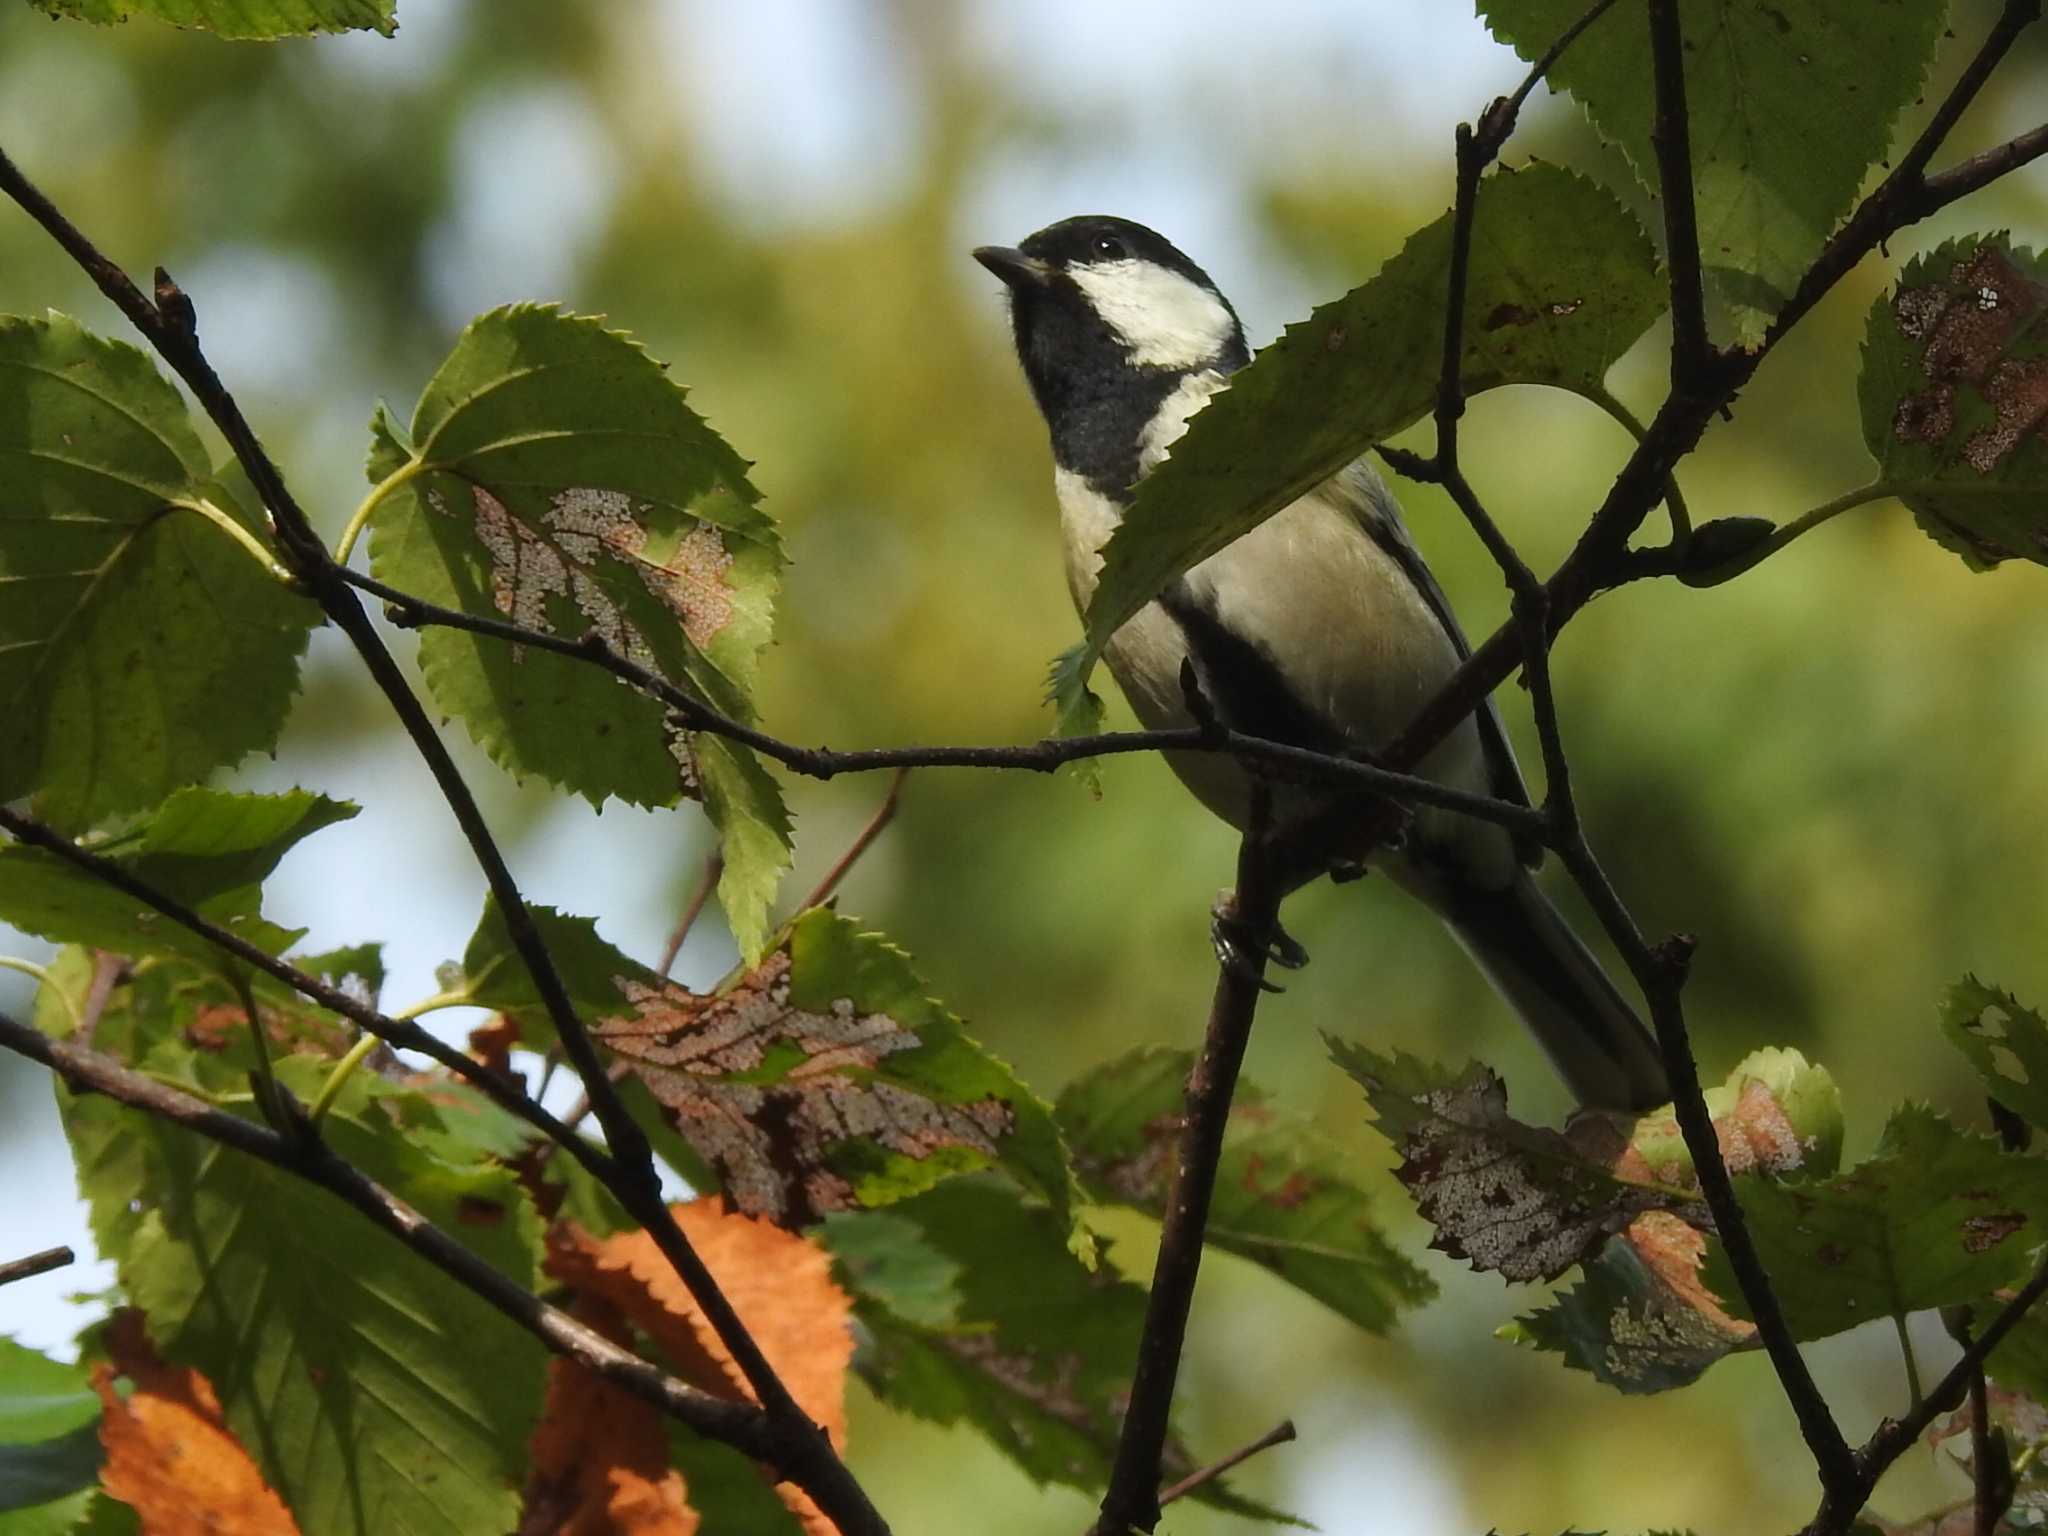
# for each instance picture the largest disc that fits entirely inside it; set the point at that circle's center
(1242, 682)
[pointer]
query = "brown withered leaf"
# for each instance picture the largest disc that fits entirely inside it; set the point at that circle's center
(769, 1093)
(600, 1455)
(169, 1451)
(780, 1285)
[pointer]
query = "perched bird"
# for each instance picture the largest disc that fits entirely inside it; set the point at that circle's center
(1321, 627)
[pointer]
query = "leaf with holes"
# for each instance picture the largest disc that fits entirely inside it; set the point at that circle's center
(1639, 1319)
(555, 477)
(2006, 1041)
(1789, 103)
(376, 1393)
(976, 1313)
(1954, 393)
(1935, 1217)
(142, 646)
(1562, 282)
(1285, 1198)
(206, 847)
(243, 20)
(1525, 1202)
(825, 1078)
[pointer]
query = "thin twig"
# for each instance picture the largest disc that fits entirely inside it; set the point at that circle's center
(1279, 1434)
(737, 1424)
(407, 611)
(884, 814)
(707, 882)
(35, 1263)
(1132, 1500)
(803, 1453)
(1671, 136)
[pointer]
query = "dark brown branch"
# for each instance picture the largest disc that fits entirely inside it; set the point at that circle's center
(1497, 122)
(1671, 135)
(36, 1264)
(1045, 756)
(1132, 1501)
(402, 1034)
(804, 1455)
(1279, 1434)
(740, 1425)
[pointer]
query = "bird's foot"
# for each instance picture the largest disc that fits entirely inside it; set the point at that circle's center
(1236, 944)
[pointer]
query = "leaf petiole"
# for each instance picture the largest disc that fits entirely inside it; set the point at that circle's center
(43, 978)
(1681, 519)
(1713, 576)
(366, 1043)
(360, 518)
(241, 536)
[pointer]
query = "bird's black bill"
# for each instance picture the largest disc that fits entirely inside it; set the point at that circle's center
(1011, 265)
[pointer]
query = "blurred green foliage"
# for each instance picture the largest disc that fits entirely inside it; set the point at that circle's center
(1827, 770)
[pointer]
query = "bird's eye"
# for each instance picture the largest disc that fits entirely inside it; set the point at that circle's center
(1109, 245)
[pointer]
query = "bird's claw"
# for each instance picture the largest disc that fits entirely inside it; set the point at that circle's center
(1236, 945)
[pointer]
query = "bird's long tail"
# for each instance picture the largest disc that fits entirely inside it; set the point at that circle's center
(1534, 960)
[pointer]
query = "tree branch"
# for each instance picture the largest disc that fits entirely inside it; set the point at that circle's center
(1671, 134)
(1132, 1501)
(410, 612)
(35, 1264)
(740, 1425)
(168, 324)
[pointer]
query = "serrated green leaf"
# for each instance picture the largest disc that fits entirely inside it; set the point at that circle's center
(494, 975)
(209, 849)
(376, 1394)
(2006, 1041)
(1954, 395)
(241, 20)
(1629, 1322)
(49, 1438)
(1562, 282)
(1789, 104)
(826, 1078)
(745, 805)
(1935, 1217)
(141, 646)
(1285, 1198)
(1520, 1200)
(727, 1491)
(1038, 1350)
(555, 476)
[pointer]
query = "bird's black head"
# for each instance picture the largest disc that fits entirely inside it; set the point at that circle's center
(1109, 318)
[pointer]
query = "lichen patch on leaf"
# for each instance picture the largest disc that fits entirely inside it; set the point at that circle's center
(1965, 328)
(770, 1094)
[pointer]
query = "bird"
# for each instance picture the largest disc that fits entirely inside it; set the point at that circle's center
(1321, 627)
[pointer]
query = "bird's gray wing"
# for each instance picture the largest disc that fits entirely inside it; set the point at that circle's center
(1360, 491)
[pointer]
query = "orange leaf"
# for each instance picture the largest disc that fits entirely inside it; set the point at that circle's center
(600, 1455)
(780, 1285)
(169, 1452)
(491, 1042)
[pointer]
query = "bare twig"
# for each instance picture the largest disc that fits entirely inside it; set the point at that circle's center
(1279, 1434)
(707, 882)
(35, 1263)
(408, 611)
(1671, 135)
(803, 1453)
(1132, 1501)
(884, 814)
(737, 1424)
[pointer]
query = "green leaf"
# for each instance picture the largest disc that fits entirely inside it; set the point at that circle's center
(1790, 103)
(377, 1394)
(826, 1078)
(2006, 1041)
(1638, 1319)
(242, 20)
(727, 1491)
(1954, 392)
(1036, 1352)
(1935, 1217)
(746, 807)
(49, 1435)
(208, 848)
(141, 646)
(1562, 283)
(1517, 1199)
(495, 975)
(86, 1512)
(1285, 1197)
(556, 477)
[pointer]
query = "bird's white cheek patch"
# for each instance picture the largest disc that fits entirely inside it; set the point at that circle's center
(1166, 320)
